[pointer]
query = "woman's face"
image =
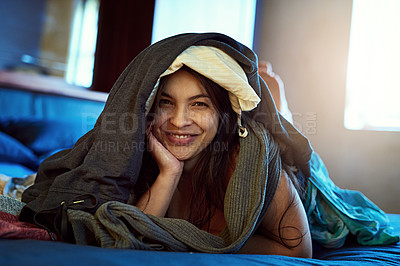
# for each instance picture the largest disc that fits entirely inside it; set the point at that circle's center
(185, 119)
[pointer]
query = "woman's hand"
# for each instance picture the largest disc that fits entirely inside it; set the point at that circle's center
(157, 199)
(166, 161)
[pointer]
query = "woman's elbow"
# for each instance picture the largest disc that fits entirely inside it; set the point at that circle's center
(259, 244)
(304, 252)
(302, 249)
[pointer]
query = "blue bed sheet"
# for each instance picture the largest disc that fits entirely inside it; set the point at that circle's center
(35, 252)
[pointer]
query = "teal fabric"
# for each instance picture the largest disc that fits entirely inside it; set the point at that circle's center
(333, 213)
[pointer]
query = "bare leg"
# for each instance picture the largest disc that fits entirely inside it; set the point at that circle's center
(276, 87)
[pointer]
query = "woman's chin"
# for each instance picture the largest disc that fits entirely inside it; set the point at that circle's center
(184, 156)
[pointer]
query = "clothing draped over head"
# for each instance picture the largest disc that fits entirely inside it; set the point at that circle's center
(76, 189)
(219, 67)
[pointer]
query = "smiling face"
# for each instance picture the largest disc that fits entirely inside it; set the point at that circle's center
(186, 120)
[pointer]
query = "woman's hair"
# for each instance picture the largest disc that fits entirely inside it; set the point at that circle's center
(211, 174)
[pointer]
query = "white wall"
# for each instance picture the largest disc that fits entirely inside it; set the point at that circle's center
(307, 43)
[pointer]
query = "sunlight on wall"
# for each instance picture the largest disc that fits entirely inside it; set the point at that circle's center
(234, 18)
(373, 83)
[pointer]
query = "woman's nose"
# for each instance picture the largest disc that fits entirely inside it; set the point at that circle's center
(181, 117)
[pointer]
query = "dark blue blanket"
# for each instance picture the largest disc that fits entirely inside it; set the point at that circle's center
(34, 252)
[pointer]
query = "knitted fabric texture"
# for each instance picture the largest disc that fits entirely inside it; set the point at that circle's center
(119, 225)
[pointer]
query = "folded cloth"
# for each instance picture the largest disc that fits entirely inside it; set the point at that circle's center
(10, 205)
(333, 212)
(15, 186)
(11, 228)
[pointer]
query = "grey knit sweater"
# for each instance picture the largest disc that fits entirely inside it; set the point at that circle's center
(249, 193)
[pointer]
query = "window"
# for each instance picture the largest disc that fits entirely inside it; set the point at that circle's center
(373, 83)
(83, 43)
(234, 18)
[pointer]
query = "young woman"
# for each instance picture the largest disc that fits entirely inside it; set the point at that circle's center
(191, 154)
(191, 115)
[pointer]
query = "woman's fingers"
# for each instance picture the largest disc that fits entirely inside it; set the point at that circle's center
(166, 161)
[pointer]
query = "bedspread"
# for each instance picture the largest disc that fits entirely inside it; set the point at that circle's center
(34, 252)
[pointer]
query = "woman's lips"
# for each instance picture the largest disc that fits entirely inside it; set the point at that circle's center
(180, 139)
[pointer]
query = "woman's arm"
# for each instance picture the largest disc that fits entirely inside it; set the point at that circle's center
(284, 229)
(156, 200)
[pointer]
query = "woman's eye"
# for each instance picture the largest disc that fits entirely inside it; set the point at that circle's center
(200, 104)
(165, 102)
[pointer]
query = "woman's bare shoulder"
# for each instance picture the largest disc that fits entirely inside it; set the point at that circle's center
(286, 221)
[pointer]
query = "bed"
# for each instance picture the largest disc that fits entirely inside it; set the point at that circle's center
(35, 252)
(36, 121)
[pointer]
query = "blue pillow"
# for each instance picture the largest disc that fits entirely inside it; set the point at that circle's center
(43, 136)
(12, 151)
